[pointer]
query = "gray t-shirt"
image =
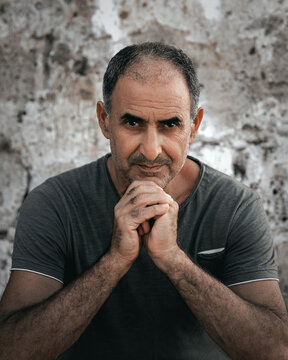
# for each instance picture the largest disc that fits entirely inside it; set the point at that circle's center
(65, 226)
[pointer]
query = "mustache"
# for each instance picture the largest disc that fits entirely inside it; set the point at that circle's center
(141, 159)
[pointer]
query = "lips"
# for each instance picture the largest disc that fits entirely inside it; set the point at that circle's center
(150, 168)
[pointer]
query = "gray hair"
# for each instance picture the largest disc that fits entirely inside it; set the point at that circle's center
(134, 54)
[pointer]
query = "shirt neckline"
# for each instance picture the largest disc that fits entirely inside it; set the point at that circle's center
(108, 177)
(197, 184)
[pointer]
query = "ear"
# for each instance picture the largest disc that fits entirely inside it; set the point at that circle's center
(196, 123)
(103, 119)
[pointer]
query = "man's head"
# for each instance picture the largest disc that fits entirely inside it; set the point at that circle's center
(147, 113)
(132, 55)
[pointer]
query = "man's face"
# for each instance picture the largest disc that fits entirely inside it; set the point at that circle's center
(149, 126)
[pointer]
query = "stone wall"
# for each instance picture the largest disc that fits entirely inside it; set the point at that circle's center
(52, 58)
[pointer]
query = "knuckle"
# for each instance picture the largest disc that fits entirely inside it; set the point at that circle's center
(135, 213)
(176, 209)
(133, 200)
(131, 190)
(116, 207)
(116, 211)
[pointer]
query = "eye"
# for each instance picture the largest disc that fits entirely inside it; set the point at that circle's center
(132, 123)
(171, 123)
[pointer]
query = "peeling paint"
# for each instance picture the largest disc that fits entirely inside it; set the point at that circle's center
(212, 9)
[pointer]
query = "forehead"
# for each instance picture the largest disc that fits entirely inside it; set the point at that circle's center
(152, 86)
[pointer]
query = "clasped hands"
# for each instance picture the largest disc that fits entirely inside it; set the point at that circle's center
(143, 201)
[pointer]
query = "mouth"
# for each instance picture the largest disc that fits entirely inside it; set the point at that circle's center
(151, 169)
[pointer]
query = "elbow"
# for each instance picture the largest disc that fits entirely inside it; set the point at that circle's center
(279, 350)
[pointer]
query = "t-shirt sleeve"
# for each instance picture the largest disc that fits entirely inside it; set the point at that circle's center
(40, 238)
(249, 254)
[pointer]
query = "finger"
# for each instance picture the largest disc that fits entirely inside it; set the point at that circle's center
(148, 199)
(140, 215)
(146, 227)
(140, 230)
(143, 185)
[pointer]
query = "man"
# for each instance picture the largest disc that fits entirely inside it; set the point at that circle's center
(145, 253)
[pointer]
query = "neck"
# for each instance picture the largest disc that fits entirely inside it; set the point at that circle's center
(120, 186)
(182, 185)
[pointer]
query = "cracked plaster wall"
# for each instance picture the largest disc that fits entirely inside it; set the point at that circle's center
(52, 58)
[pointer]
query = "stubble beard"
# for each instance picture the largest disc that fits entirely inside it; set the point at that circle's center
(125, 178)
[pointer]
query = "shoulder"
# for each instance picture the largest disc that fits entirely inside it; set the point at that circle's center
(81, 175)
(75, 187)
(222, 200)
(77, 180)
(214, 184)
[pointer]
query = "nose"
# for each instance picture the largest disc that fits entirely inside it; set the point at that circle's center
(150, 145)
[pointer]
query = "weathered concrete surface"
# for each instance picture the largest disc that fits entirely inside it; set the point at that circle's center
(52, 58)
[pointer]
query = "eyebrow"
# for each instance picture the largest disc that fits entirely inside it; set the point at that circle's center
(131, 117)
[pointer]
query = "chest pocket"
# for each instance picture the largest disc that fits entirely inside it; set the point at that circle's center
(212, 261)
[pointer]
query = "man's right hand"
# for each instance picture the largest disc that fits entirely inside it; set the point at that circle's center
(142, 201)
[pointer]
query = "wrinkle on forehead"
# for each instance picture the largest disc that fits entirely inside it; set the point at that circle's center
(139, 106)
(152, 71)
(168, 102)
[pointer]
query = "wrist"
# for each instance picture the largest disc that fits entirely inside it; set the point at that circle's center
(119, 261)
(168, 261)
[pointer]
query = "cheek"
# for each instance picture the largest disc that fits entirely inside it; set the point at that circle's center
(178, 144)
(124, 143)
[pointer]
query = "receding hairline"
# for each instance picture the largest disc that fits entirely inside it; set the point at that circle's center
(143, 69)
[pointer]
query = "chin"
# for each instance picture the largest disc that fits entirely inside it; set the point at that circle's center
(160, 181)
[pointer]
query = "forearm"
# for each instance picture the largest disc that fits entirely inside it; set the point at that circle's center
(242, 329)
(46, 330)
